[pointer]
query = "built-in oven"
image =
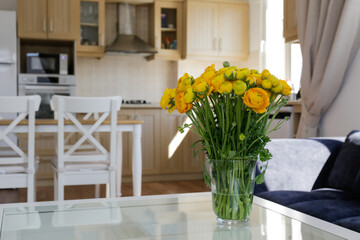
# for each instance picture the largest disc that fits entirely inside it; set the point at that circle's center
(46, 86)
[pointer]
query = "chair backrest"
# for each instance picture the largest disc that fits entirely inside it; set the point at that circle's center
(67, 108)
(24, 106)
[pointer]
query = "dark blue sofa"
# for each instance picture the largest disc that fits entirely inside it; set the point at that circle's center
(319, 177)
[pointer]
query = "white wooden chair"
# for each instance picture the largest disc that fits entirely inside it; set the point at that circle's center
(17, 168)
(73, 165)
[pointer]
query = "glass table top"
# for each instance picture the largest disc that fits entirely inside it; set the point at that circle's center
(181, 217)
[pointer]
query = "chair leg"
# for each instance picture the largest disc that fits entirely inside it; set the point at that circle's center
(31, 188)
(112, 184)
(61, 187)
(97, 190)
(56, 195)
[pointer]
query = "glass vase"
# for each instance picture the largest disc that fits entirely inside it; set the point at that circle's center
(232, 187)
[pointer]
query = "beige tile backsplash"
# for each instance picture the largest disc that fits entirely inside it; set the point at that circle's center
(127, 76)
(133, 77)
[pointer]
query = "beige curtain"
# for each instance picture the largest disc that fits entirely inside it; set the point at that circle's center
(329, 35)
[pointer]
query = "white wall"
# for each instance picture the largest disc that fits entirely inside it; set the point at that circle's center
(8, 4)
(344, 114)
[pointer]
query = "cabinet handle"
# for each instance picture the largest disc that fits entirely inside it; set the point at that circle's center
(215, 44)
(44, 24)
(102, 40)
(51, 25)
(220, 44)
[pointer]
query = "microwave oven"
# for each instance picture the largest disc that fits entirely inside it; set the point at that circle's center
(47, 63)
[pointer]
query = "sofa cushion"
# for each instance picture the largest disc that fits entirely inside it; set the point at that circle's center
(329, 210)
(287, 198)
(352, 223)
(347, 164)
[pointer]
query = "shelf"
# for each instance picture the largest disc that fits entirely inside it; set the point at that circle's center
(89, 24)
(168, 29)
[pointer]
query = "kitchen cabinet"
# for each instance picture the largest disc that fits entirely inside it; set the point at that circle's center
(290, 24)
(168, 27)
(176, 148)
(47, 19)
(217, 30)
(91, 29)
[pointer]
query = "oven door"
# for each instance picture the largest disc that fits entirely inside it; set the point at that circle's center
(46, 92)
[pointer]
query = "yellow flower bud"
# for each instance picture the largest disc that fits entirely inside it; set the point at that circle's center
(254, 71)
(251, 79)
(167, 100)
(240, 75)
(226, 87)
(246, 72)
(258, 79)
(265, 74)
(189, 95)
(242, 137)
(230, 74)
(274, 80)
(266, 84)
(239, 87)
(286, 88)
(217, 81)
(277, 89)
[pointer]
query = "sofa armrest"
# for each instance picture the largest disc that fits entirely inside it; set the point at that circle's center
(296, 163)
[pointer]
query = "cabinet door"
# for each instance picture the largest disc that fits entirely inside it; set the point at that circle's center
(171, 142)
(62, 19)
(91, 33)
(169, 30)
(150, 139)
(234, 31)
(192, 164)
(32, 19)
(202, 26)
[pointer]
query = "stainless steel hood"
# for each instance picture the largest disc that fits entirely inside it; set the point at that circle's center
(127, 42)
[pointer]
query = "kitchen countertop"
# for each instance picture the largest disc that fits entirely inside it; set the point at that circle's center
(147, 106)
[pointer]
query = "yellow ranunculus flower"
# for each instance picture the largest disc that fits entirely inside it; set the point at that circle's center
(251, 79)
(209, 73)
(246, 72)
(265, 74)
(266, 84)
(254, 71)
(202, 87)
(180, 103)
(257, 99)
(258, 79)
(239, 87)
(274, 80)
(230, 74)
(189, 95)
(241, 75)
(286, 88)
(222, 70)
(217, 81)
(226, 87)
(183, 83)
(167, 100)
(277, 89)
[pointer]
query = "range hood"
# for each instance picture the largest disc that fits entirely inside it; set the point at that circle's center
(127, 42)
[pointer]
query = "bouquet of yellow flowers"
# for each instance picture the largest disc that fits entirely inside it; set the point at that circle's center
(231, 109)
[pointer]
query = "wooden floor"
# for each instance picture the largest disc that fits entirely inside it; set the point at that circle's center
(84, 192)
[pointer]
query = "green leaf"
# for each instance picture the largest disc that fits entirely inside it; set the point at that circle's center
(260, 178)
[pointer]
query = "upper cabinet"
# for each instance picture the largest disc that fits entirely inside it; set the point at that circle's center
(91, 33)
(168, 27)
(290, 24)
(47, 19)
(217, 29)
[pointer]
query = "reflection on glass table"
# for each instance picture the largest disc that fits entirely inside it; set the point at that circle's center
(182, 216)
